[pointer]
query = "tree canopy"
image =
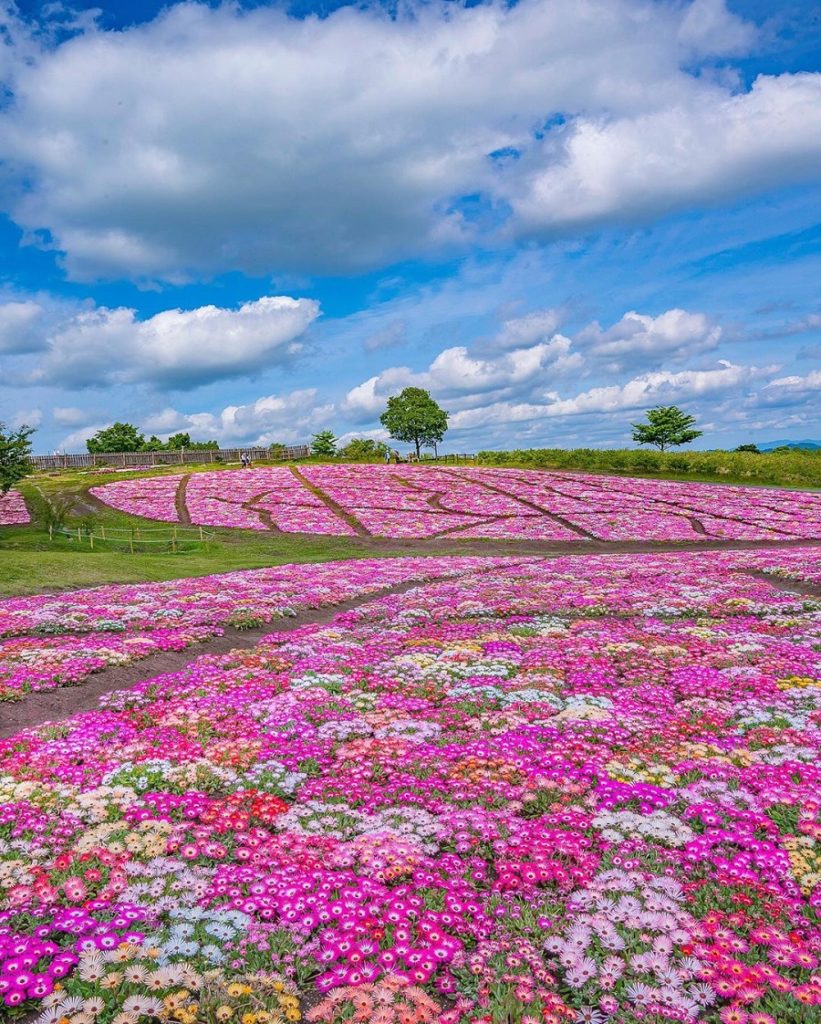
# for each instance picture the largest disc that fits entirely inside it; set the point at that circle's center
(362, 449)
(125, 437)
(667, 427)
(119, 437)
(15, 456)
(415, 418)
(324, 444)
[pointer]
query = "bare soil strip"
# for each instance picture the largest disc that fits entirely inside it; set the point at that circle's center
(264, 514)
(334, 506)
(781, 583)
(578, 530)
(180, 500)
(697, 525)
(55, 705)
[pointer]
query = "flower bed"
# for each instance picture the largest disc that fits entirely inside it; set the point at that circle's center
(574, 790)
(419, 502)
(56, 640)
(13, 511)
(153, 497)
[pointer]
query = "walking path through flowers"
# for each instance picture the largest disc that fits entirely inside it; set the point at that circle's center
(419, 502)
(575, 789)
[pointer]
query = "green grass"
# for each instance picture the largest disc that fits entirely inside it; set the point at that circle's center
(796, 470)
(30, 562)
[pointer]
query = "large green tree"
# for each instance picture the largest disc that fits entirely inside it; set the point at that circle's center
(120, 437)
(15, 456)
(667, 427)
(415, 418)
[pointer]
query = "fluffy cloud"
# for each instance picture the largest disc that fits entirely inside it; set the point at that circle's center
(21, 327)
(458, 373)
(675, 334)
(348, 141)
(793, 390)
(523, 331)
(289, 418)
(524, 357)
(646, 390)
(175, 348)
(69, 416)
(708, 149)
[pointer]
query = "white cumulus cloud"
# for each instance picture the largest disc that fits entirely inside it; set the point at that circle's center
(711, 148)
(174, 348)
(289, 418)
(674, 334)
(212, 139)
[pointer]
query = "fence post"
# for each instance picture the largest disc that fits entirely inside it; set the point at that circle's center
(91, 539)
(201, 536)
(131, 540)
(79, 535)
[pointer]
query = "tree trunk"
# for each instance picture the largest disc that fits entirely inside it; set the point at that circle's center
(417, 447)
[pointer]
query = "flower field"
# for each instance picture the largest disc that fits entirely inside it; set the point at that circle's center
(49, 640)
(579, 789)
(13, 511)
(418, 502)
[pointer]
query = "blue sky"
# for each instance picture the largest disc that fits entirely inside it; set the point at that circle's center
(256, 221)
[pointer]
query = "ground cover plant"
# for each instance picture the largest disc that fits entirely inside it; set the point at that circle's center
(578, 789)
(54, 640)
(415, 502)
(13, 511)
(790, 468)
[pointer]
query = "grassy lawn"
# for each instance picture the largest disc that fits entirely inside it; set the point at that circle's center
(30, 562)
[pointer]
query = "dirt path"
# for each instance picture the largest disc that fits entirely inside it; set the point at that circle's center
(180, 500)
(781, 583)
(334, 506)
(64, 701)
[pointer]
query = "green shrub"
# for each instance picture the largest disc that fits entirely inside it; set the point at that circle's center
(791, 468)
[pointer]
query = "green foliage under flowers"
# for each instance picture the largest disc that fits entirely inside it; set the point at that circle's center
(786, 469)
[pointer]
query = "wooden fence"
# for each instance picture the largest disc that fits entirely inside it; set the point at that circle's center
(453, 459)
(145, 460)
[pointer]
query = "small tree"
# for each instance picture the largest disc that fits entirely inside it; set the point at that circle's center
(324, 444)
(120, 437)
(753, 449)
(15, 456)
(667, 427)
(415, 418)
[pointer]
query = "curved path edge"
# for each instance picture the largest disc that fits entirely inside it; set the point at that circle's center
(64, 701)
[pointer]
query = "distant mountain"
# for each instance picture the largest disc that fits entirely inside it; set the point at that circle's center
(768, 446)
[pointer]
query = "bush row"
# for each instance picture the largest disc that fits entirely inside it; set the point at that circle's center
(794, 468)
